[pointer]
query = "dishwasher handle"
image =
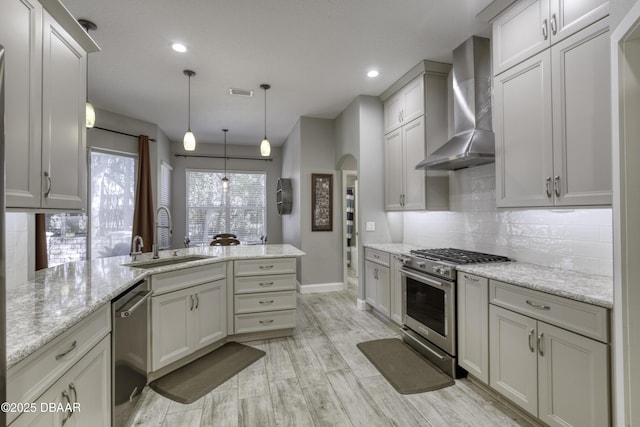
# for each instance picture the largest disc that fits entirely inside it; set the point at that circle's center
(132, 306)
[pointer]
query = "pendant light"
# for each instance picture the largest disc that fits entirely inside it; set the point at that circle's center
(265, 145)
(225, 180)
(189, 140)
(90, 112)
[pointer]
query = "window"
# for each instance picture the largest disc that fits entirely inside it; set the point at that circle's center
(113, 189)
(241, 210)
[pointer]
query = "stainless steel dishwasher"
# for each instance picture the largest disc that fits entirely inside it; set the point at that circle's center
(129, 339)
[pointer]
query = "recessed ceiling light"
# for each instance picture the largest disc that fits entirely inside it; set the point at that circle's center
(178, 47)
(373, 73)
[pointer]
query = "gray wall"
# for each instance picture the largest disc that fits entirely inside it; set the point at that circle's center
(291, 223)
(180, 164)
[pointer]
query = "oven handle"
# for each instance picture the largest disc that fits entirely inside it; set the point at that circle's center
(424, 278)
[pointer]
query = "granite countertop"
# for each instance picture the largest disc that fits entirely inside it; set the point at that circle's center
(59, 297)
(392, 248)
(589, 288)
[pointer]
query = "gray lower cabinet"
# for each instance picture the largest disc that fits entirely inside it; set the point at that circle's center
(377, 280)
(473, 325)
(395, 284)
(556, 375)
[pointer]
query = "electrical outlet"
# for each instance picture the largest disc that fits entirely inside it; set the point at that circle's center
(371, 226)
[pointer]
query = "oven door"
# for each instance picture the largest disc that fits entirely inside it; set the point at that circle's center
(430, 308)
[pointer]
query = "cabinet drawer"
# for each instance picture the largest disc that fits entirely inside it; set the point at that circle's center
(173, 280)
(27, 380)
(266, 301)
(377, 256)
(257, 322)
(585, 319)
(252, 267)
(283, 282)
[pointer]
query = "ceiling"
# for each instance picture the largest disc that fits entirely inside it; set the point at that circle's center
(314, 53)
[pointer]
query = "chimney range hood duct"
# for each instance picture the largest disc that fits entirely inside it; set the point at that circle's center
(474, 141)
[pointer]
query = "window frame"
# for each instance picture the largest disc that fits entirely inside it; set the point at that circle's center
(227, 207)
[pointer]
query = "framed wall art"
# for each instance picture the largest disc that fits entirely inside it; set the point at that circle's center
(321, 202)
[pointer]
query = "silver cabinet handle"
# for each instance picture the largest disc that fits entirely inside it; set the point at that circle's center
(540, 343)
(538, 306)
(265, 284)
(531, 333)
(548, 185)
(473, 279)
(46, 175)
(399, 116)
(266, 322)
(376, 256)
(126, 313)
(556, 185)
(197, 301)
(67, 415)
(266, 267)
(554, 23)
(72, 388)
(64, 353)
(191, 298)
(267, 302)
(545, 30)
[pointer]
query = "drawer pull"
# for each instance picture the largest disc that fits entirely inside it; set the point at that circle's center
(538, 306)
(197, 301)
(67, 415)
(267, 302)
(63, 354)
(473, 279)
(72, 388)
(531, 333)
(266, 322)
(266, 267)
(266, 283)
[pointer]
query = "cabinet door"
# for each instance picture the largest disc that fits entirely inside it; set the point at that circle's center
(582, 117)
(89, 384)
(513, 357)
(393, 173)
(413, 151)
(384, 291)
(393, 112)
(395, 279)
(63, 116)
(519, 33)
(573, 379)
(171, 327)
(54, 395)
(473, 325)
(570, 16)
(210, 313)
(413, 95)
(21, 36)
(371, 283)
(523, 128)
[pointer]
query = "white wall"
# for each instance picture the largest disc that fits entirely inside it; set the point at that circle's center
(579, 239)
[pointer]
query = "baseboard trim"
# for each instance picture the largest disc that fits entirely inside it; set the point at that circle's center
(320, 287)
(362, 305)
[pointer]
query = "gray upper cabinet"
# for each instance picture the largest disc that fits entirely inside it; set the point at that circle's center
(416, 116)
(530, 26)
(552, 124)
(46, 53)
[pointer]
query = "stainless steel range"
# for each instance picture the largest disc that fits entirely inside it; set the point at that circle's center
(429, 301)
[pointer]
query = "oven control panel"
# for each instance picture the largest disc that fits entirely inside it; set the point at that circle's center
(441, 270)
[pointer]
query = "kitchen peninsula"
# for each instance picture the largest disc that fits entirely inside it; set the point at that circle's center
(65, 311)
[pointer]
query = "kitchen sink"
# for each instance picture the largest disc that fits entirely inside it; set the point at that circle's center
(167, 261)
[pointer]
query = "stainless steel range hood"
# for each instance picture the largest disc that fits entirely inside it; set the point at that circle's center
(474, 141)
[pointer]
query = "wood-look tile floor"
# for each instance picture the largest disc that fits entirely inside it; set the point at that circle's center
(318, 377)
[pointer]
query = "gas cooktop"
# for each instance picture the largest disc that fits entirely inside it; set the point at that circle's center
(457, 256)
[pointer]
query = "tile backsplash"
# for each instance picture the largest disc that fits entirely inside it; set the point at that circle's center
(573, 239)
(16, 244)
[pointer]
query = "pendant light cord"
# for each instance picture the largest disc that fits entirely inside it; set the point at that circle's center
(189, 106)
(225, 151)
(265, 113)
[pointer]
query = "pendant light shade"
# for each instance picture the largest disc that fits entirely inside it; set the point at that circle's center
(189, 140)
(90, 112)
(265, 145)
(225, 180)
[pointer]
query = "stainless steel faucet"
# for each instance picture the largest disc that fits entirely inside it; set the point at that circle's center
(138, 244)
(155, 229)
